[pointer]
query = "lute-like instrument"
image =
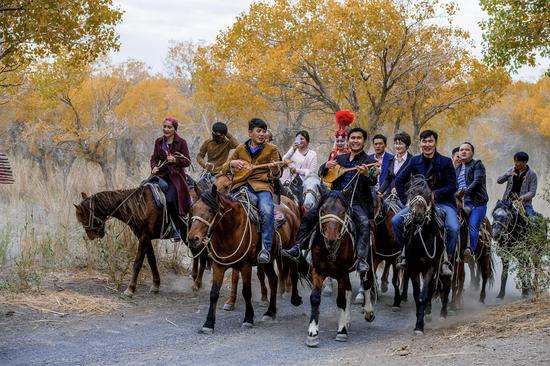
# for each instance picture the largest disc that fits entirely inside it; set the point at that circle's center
(248, 168)
(338, 170)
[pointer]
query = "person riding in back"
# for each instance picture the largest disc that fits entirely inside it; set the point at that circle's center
(439, 172)
(216, 149)
(259, 182)
(357, 185)
(455, 156)
(380, 142)
(401, 143)
(304, 160)
(169, 160)
(472, 187)
(521, 182)
(344, 119)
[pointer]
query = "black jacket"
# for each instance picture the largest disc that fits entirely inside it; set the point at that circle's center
(389, 183)
(476, 185)
(363, 193)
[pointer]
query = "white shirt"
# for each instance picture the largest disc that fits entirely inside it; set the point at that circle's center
(304, 164)
(398, 162)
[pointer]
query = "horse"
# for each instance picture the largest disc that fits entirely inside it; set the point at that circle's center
(424, 251)
(510, 226)
(137, 209)
(333, 254)
(232, 241)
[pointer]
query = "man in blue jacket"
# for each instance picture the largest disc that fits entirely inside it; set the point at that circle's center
(440, 173)
(380, 142)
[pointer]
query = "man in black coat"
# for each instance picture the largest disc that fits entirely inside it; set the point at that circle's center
(352, 184)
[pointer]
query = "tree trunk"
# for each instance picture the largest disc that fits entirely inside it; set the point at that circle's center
(108, 174)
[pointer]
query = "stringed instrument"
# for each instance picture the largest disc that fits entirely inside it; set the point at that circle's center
(248, 168)
(338, 170)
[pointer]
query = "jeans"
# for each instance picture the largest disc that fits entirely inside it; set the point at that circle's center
(267, 217)
(451, 224)
(361, 220)
(476, 218)
(529, 210)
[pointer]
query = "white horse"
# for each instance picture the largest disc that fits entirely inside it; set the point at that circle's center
(312, 188)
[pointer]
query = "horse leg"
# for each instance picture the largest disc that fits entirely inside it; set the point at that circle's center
(474, 274)
(295, 299)
(503, 278)
(273, 281)
(384, 278)
(444, 294)
(283, 273)
(218, 273)
(369, 286)
(246, 274)
(195, 273)
(420, 306)
(230, 303)
(343, 301)
(138, 263)
(315, 300)
(203, 259)
(150, 251)
(261, 277)
(395, 282)
(328, 287)
(405, 286)
(485, 269)
(360, 297)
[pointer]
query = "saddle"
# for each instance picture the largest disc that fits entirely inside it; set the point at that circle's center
(158, 188)
(250, 203)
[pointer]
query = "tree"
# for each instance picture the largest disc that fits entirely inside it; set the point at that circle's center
(80, 30)
(516, 32)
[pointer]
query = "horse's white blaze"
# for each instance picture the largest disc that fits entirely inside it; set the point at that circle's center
(313, 329)
(345, 315)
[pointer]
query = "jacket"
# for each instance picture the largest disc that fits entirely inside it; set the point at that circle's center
(476, 185)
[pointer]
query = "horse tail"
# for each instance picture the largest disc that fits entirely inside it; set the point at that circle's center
(304, 273)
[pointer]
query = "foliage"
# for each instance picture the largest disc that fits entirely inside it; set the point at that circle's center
(516, 32)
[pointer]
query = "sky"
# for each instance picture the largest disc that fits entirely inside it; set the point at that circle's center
(148, 26)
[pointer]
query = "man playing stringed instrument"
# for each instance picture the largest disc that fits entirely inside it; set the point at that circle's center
(254, 166)
(357, 185)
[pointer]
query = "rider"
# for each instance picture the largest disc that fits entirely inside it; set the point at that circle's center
(521, 181)
(259, 182)
(169, 160)
(216, 148)
(304, 160)
(441, 176)
(401, 143)
(455, 156)
(472, 187)
(360, 182)
(380, 142)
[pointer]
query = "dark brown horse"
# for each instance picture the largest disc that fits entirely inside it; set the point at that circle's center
(223, 224)
(424, 250)
(333, 255)
(136, 208)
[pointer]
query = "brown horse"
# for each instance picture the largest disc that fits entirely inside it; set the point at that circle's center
(333, 255)
(223, 224)
(136, 208)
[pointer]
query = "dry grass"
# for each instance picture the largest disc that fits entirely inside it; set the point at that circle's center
(502, 321)
(61, 302)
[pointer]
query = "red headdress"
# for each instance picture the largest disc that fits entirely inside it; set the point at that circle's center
(344, 118)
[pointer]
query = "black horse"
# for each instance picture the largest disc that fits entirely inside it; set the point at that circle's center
(510, 227)
(425, 244)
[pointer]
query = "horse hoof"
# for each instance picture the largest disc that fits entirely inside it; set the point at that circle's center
(428, 318)
(312, 341)
(263, 303)
(247, 325)
(194, 287)
(384, 288)
(359, 298)
(370, 317)
(228, 307)
(154, 290)
(267, 318)
(341, 337)
(128, 293)
(404, 299)
(206, 330)
(296, 301)
(396, 308)
(500, 296)
(418, 332)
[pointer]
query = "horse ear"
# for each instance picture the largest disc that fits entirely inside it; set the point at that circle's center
(84, 195)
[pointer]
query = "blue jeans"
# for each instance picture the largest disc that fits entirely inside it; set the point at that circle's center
(451, 224)
(529, 210)
(476, 218)
(267, 216)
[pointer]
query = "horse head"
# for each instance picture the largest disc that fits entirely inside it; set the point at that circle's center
(503, 215)
(91, 218)
(420, 200)
(203, 215)
(333, 220)
(312, 190)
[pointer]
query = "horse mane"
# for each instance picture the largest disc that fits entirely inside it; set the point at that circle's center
(106, 202)
(419, 185)
(210, 199)
(311, 177)
(336, 195)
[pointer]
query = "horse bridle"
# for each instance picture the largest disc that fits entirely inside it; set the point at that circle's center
(428, 206)
(343, 230)
(92, 218)
(315, 194)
